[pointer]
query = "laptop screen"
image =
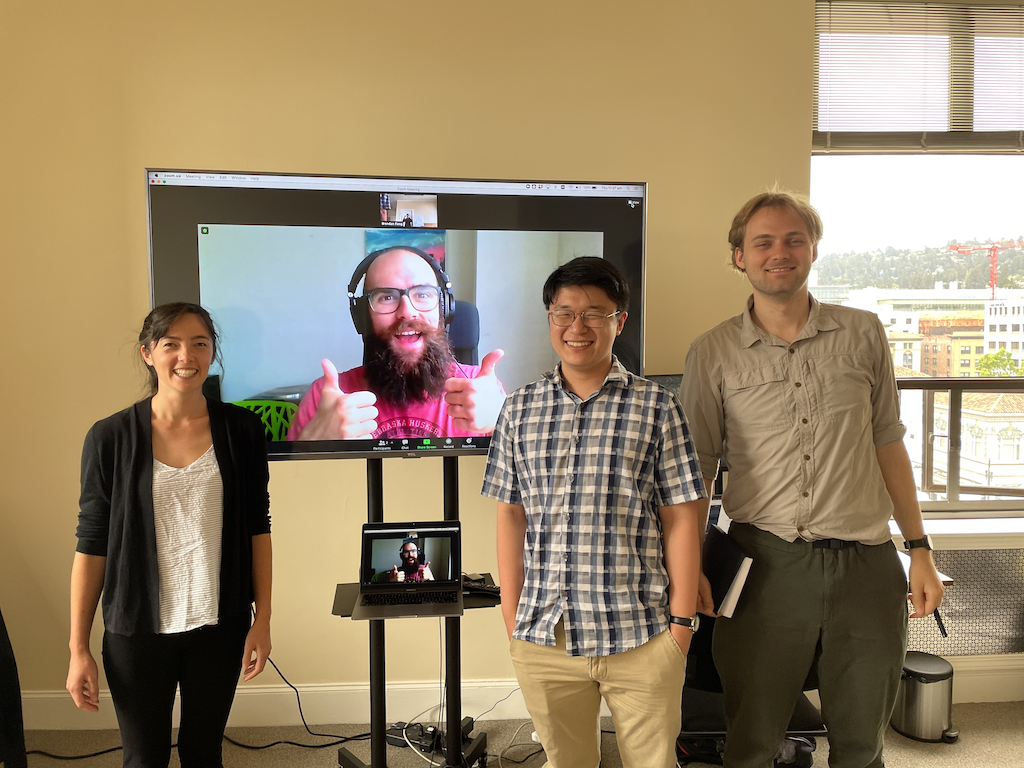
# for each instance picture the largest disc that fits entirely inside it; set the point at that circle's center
(410, 553)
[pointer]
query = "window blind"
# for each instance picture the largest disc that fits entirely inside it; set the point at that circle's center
(918, 77)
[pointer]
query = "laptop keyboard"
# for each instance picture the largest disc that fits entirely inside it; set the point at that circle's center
(410, 598)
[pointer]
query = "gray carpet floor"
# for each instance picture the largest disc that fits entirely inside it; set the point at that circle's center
(991, 736)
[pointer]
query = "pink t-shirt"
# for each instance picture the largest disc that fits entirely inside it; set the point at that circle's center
(423, 419)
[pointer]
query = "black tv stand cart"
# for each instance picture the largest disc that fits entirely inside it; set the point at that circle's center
(460, 750)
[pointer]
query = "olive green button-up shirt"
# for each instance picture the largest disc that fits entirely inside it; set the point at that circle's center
(797, 424)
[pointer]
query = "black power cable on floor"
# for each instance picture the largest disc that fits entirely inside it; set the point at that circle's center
(337, 740)
(298, 701)
(75, 757)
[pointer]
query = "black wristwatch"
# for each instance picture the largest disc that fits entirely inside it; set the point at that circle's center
(925, 542)
(690, 622)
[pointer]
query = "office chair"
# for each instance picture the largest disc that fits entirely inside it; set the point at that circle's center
(702, 732)
(464, 333)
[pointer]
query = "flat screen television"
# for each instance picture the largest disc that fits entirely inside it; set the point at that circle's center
(294, 269)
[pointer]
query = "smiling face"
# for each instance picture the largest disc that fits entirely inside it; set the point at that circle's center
(404, 329)
(182, 357)
(409, 555)
(582, 349)
(777, 252)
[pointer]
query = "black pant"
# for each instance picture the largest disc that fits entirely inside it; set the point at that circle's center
(143, 672)
(840, 612)
(12, 734)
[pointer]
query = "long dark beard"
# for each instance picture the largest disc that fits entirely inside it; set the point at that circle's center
(401, 381)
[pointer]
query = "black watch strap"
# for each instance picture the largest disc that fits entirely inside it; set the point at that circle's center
(690, 622)
(924, 542)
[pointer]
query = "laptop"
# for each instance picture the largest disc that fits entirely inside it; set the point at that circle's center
(410, 569)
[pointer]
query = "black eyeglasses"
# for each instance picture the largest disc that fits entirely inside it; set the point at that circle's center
(563, 318)
(384, 301)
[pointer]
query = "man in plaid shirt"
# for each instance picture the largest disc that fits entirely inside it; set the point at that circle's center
(599, 496)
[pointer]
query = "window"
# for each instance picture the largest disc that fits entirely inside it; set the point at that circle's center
(908, 360)
(1015, 327)
(1002, 329)
(1009, 444)
(1014, 345)
(1002, 345)
(930, 98)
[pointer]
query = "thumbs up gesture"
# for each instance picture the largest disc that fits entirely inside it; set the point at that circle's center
(474, 403)
(341, 415)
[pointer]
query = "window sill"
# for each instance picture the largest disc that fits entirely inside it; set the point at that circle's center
(971, 533)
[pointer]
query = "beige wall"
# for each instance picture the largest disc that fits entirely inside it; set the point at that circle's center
(705, 101)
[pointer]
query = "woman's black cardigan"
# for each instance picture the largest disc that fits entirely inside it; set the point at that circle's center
(116, 510)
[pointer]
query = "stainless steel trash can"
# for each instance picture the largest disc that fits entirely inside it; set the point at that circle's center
(924, 704)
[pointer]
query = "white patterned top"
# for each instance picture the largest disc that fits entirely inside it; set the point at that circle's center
(188, 510)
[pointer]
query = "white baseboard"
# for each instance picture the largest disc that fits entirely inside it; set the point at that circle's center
(975, 679)
(988, 678)
(264, 705)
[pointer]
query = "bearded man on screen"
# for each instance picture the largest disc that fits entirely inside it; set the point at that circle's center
(410, 384)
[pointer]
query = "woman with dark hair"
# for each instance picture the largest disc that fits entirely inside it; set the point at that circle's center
(174, 530)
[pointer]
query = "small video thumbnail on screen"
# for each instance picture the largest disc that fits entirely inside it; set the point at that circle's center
(408, 210)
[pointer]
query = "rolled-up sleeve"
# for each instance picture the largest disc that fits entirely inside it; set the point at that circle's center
(886, 426)
(702, 403)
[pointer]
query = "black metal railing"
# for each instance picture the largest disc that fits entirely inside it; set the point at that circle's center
(937, 449)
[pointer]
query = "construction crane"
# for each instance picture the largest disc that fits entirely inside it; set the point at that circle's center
(993, 253)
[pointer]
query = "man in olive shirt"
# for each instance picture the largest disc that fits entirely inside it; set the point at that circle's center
(799, 399)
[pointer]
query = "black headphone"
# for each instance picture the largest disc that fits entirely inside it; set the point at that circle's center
(359, 306)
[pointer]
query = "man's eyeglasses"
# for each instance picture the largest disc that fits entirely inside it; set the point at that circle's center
(564, 318)
(423, 298)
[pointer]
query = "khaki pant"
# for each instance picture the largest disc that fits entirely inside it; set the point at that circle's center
(642, 687)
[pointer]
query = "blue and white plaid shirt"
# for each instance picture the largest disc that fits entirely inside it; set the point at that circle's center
(591, 475)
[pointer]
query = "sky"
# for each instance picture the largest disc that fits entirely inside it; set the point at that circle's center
(870, 202)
